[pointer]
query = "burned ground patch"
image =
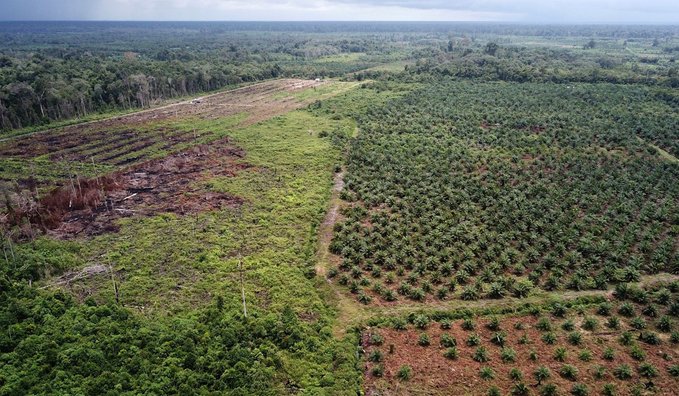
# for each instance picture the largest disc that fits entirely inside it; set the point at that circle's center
(86, 207)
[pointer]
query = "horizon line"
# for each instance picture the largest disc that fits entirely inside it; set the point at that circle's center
(498, 22)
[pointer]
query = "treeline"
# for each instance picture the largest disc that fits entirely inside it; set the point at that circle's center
(517, 64)
(41, 89)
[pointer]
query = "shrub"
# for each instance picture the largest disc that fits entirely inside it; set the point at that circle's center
(421, 321)
(375, 356)
(613, 323)
(541, 373)
(486, 373)
(446, 324)
(599, 372)
(376, 339)
(508, 355)
(626, 309)
(626, 338)
(470, 293)
(604, 309)
(623, 372)
(377, 370)
(673, 370)
(638, 323)
(515, 374)
(608, 390)
(451, 353)
(493, 323)
(473, 340)
(548, 390)
(499, 338)
(585, 355)
(493, 391)
(637, 353)
(559, 310)
(560, 354)
(569, 372)
(549, 338)
(575, 338)
(568, 325)
(650, 311)
(579, 390)
(448, 341)
(480, 355)
(544, 324)
(649, 337)
(520, 389)
(590, 324)
(647, 370)
(665, 324)
(468, 325)
(424, 340)
(404, 373)
(608, 354)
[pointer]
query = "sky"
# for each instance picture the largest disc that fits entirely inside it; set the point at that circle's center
(528, 11)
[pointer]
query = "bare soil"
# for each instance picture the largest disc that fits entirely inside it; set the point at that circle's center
(86, 207)
(434, 374)
(79, 142)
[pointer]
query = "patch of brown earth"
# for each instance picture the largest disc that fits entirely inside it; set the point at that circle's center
(85, 207)
(434, 374)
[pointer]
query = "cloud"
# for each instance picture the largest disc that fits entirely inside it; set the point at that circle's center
(649, 11)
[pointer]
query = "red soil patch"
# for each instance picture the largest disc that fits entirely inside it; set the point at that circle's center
(433, 373)
(167, 185)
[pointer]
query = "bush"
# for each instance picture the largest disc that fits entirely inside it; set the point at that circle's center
(541, 373)
(375, 356)
(499, 338)
(493, 391)
(569, 372)
(377, 370)
(515, 374)
(493, 323)
(575, 338)
(448, 341)
(585, 355)
(590, 324)
(486, 373)
(544, 324)
(608, 390)
(623, 372)
(480, 355)
(404, 373)
(579, 390)
(626, 309)
(468, 325)
(520, 389)
(560, 354)
(473, 340)
(376, 339)
(568, 325)
(608, 354)
(549, 390)
(421, 321)
(424, 340)
(549, 338)
(451, 353)
(613, 323)
(647, 370)
(637, 353)
(508, 355)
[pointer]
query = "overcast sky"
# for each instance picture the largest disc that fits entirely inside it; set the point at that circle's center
(583, 11)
